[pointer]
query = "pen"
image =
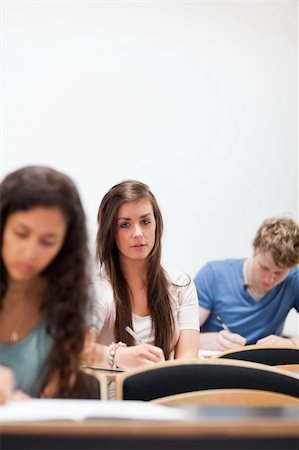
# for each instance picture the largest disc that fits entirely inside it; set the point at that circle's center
(225, 327)
(134, 335)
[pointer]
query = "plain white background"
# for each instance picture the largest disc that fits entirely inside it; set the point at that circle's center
(196, 98)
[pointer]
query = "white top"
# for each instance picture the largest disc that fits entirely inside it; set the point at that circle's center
(184, 305)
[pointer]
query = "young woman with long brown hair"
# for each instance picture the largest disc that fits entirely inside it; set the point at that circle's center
(133, 289)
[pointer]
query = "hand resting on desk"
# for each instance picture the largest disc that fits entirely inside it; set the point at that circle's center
(7, 383)
(272, 339)
(138, 355)
(125, 357)
(222, 340)
(225, 340)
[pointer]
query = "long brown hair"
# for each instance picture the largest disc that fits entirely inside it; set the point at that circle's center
(157, 284)
(65, 298)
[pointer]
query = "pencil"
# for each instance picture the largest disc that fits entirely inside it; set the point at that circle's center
(224, 326)
(134, 335)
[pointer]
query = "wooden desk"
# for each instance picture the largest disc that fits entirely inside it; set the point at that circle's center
(208, 428)
(106, 378)
(110, 374)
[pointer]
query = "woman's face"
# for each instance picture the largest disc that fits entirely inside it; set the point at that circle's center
(31, 240)
(135, 230)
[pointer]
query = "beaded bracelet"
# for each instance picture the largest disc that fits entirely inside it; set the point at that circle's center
(111, 352)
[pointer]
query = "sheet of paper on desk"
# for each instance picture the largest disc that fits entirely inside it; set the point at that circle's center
(208, 353)
(34, 410)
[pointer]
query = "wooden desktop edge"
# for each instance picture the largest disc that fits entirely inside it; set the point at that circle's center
(257, 427)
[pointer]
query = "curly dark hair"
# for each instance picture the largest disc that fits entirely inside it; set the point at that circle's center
(157, 284)
(65, 299)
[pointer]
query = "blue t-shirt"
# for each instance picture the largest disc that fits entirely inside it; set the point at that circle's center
(27, 359)
(220, 289)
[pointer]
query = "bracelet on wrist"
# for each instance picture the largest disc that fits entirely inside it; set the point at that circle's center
(111, 352)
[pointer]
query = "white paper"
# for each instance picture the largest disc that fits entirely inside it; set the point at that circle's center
(208, 353)
(34, 410)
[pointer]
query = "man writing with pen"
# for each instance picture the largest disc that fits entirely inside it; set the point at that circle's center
(246, 301)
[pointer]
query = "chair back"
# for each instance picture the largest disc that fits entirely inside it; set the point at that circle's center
(264, 354)
(229, 397)
(181, 376)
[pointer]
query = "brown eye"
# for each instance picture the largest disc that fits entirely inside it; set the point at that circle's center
(47, 243)
(20, 234)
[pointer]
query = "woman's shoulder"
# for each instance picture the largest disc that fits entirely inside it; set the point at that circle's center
(177, 276)
(102, 276)
(102, 287)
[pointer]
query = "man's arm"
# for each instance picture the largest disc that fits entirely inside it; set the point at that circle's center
(222, 340)
(272, 339)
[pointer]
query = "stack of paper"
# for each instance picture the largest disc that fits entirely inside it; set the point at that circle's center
(53, 409)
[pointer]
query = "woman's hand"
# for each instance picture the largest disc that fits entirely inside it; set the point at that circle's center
(7, 383)
(20, 395)
(138, 355)
(125, 357)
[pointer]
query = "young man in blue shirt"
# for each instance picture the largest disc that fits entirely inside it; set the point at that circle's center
(246, 301)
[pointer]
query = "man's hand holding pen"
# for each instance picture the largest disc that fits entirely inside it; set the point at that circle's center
(226, 339)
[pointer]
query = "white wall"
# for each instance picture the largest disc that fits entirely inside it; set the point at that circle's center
(196, 98)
